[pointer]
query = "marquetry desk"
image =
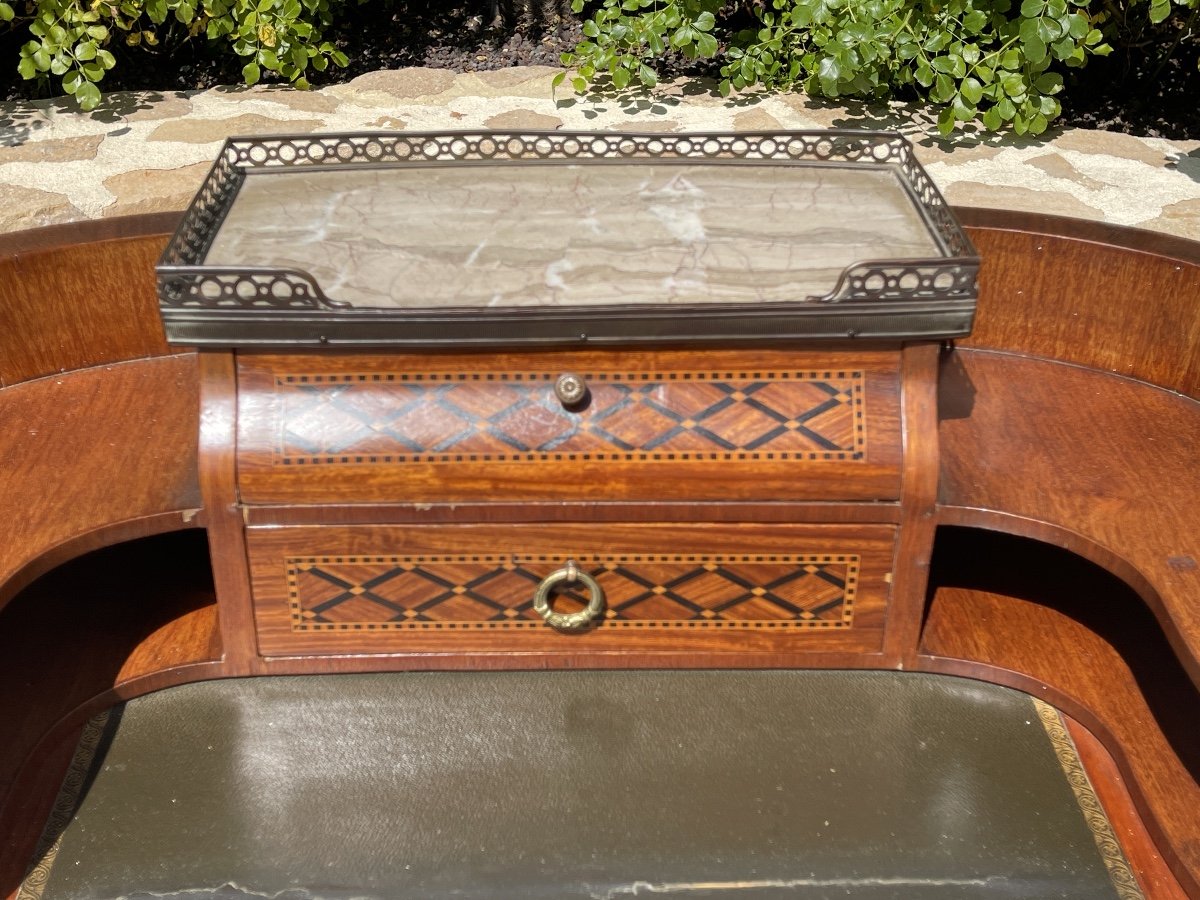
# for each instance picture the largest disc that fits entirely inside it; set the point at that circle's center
(727, 484)
(566, 396)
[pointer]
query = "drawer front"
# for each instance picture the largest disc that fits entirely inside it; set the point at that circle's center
(389, 589)
(669, 425)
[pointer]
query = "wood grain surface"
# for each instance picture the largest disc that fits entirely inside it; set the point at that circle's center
(467, 589)
(918, 498)
(71, 306)
(92, 456)
(1099, 295)
(667, 425)
(1103, 465)
(781, 511)
(1047, 622)
(222, 517)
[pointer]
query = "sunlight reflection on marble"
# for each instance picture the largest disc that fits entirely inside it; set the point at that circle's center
(571, 235)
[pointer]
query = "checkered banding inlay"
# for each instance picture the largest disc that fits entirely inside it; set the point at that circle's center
(406, 593)
(396, 417)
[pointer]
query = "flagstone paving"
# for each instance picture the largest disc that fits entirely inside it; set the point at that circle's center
(149, 152)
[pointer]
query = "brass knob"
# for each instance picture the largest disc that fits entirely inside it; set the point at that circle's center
(570, 389)
(569, 574)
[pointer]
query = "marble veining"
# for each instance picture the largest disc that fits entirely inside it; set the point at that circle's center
(572, 235)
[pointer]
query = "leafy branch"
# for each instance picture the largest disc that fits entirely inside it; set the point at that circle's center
(981, 61)
(70, 39)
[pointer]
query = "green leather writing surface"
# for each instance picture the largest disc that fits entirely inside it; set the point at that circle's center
(599, 785)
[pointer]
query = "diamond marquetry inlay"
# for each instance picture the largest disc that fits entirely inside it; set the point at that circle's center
(515, 417)
(644, 591)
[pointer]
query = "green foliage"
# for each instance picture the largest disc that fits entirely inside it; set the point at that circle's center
(70, 38)
(1158, 12)
(986, 61)
(998, 64)
(623, 36)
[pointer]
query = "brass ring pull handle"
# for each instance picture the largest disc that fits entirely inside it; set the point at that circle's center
(569, 574)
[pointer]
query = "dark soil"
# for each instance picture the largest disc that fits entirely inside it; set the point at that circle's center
(1138, 93)
(1132, 91)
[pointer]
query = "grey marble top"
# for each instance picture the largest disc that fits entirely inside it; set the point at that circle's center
(572, 235)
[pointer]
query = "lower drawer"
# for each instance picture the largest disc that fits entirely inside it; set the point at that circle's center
(652, 588)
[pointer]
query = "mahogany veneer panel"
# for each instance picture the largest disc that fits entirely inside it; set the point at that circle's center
(72, 297)
(828, 513)
(668, 587)
(695, 425)
(94, 456)
(1100, 295)
(1102, 465)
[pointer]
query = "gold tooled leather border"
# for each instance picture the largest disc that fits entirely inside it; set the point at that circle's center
(1115, 861)
(65, 803)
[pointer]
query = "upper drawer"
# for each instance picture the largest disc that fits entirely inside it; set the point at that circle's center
(715, 425)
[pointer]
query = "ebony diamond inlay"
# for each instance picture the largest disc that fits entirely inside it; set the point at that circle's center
(377, 418)
(735, 591)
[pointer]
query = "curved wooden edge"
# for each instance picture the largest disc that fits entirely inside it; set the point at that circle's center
(53, 237)
(1081, 712)
(1104, 557)
(102, 452)
(918, 498)
(1094, 462)
(226, 527)
(127, 689)
(1103, 296)
(128, 610)
(22, 825)
(1133, 380)
(1142, 240)
(28, 801)
(1154, 876)
(104, 536)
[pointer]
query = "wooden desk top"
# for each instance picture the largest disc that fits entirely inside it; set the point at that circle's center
(1063, 452)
